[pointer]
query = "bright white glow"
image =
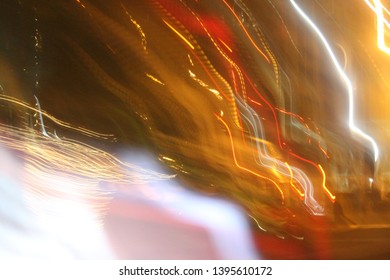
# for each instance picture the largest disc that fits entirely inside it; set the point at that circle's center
(344, 78)
(381, 27)
(372, 7)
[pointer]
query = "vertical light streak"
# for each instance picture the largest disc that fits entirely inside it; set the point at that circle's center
(327, 191)
(381, 27)
(246, 31)
(372, 7)
(344, 77)
(292, 180)
(40, 117)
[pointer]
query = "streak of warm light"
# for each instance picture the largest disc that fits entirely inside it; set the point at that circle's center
(180, 35)
(292, 181)
(41, 113)
(226, 45)
(244, 168)
(154, 79)
(137, 26)
(327, 191)
(246, 31)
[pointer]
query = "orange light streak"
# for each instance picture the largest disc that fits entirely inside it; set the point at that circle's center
(226, 46)
(246, 32)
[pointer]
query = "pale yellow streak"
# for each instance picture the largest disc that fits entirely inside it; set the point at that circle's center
(57, 121)
(206, 86)
(153, 78)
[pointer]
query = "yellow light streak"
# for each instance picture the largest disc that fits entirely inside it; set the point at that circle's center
(292, 181)
(41, 113)
(244, 168)
(153, 78)
(327, 191)
(179, 34)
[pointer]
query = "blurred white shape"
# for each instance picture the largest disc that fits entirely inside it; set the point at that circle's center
(56, 220)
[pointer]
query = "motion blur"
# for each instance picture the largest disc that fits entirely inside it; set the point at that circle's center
(196, 129)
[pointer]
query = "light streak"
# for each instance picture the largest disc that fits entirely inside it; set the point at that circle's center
(137, 26)
(246, 31)
(345, 79)
(381, 27)
(81, 4)
(179, 34)
(154, 79)
(226, 46)
(206, 86)
(40, 117)
(73, 158)
(327, 191)
(41, 113)
(292, 181)
(372, 7)
(244, 168)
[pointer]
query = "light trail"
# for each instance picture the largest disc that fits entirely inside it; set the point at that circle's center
(381, 27)
(61, 123)
(345, 79)
(180, 35)
(246, 31)
(244, 168)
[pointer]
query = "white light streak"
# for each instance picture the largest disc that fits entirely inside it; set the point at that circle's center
(344, 77)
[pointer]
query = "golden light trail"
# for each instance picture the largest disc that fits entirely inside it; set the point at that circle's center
(154, 79)
(41, 113)
(244, 168)
(344, 78)
(179, 34)
(137, 26)
(327, 191)
(292, 181)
